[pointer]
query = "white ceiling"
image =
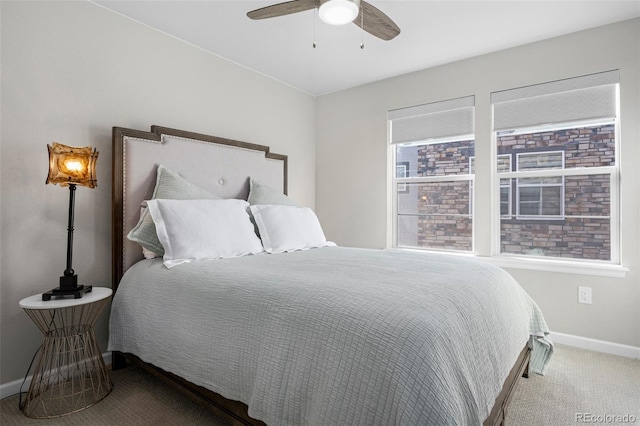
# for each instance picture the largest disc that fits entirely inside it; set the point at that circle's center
(434, 32)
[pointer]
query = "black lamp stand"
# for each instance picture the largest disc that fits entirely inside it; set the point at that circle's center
(69, 281)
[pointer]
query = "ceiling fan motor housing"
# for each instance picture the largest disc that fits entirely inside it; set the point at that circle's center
(338, 12)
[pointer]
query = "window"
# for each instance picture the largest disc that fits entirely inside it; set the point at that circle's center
(562, 140)
(432, 147)
(504, 165)
(554, 182)
(540, 197)
(402, 171)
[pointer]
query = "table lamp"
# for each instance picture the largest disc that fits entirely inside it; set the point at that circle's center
(71, 166)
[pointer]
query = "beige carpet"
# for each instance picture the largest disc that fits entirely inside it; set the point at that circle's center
(137, 398)
(578, 382)
(579, 387)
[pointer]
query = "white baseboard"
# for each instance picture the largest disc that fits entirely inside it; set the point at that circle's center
(596, 345)
(12, 388)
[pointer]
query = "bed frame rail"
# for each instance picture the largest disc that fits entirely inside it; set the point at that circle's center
(498, 414)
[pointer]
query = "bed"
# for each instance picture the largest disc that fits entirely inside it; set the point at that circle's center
(291, 332)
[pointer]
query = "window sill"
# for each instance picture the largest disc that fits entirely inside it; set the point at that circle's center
(546, 265)
(553, 265)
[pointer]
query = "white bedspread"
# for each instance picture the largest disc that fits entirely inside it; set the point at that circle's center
(333, 336)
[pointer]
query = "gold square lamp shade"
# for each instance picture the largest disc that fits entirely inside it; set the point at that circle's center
(71, 166)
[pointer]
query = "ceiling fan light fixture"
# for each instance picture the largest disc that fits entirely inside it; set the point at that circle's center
(339, 12)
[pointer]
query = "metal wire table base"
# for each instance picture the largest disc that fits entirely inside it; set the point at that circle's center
(70, 374)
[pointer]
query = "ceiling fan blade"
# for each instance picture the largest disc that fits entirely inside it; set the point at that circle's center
(376, 23)
(285, 8)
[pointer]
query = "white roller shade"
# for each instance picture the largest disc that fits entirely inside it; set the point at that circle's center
(582, 98)
(437, 120)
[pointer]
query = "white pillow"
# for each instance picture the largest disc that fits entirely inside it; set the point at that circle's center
(288, 228)
(169, 185)
(203, 229)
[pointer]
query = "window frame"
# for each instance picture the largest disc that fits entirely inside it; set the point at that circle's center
(486, 241)
(518, 185)
(447, 178)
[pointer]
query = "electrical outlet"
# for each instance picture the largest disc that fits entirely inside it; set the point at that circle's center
(584, 295)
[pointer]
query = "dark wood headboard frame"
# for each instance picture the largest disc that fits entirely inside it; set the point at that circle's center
(117, 213)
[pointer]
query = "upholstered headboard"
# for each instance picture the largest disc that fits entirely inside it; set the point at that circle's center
(219, 165)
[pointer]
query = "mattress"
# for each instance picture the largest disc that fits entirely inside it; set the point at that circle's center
(335, 335)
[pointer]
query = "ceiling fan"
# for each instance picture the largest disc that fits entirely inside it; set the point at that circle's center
(336, 12)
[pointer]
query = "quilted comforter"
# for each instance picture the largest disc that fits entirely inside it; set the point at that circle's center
(334, 336)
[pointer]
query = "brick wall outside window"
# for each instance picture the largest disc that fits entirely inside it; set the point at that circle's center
(446, 224)
(443, 205)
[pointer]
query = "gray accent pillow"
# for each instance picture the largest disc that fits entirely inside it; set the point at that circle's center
(263, 194)
(169, 185)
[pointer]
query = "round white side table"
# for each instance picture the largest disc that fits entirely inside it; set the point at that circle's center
(70, 374)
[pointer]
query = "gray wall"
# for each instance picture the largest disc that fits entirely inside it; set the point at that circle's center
(354, 207)
(71, 71)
